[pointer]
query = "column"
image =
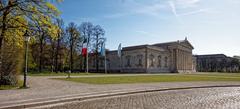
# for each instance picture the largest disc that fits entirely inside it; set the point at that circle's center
(176, 59)
(182, 63)
(185, 61)
(182, 59)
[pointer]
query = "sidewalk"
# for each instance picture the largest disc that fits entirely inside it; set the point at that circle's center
(44, 89)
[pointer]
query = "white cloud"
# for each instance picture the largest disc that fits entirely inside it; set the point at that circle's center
(133, 7)
(186, 7)
(150, 9)
(157, 7)
(186, 3)
(194, 12)
(174, 11)
(173, 8)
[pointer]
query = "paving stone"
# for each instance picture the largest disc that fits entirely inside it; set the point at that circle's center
(209, 98)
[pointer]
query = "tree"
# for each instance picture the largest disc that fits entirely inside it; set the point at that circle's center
(13, 59)
(223, 65)
(234, 65)
(60, 35)
(86, 30)
(73, 40)
(17, 16)
(42, 42)
(56, 43)
(98, 33)
(27, 14)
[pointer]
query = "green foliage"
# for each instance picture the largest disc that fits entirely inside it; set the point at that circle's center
(30, 15)
(12, 60)
(73, 39)
(15, 35)
(17, 16)
(52, 47)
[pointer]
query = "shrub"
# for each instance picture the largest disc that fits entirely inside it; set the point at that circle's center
(12, 58)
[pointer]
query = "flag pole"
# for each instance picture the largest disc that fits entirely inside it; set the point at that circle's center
(105, 56)
(87, 61)
(120, 55)
(87, 55)
(105, 62)
(120, 64)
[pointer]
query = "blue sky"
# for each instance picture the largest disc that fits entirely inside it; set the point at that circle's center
(212, 26)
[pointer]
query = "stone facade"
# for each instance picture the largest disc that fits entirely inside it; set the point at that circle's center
(173, 56)
(217, 63)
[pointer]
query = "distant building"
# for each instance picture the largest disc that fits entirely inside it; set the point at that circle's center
(237, 57)
(173, 56)
(216, 63)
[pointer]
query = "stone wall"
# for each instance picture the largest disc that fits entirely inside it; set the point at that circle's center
(134, 60)
(114, 62)
(158, 60)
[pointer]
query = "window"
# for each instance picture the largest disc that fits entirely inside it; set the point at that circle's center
(94, 62)
(151, 60)
(128, 60)
(159, 61)
(139, 58)
(102, 63)
(166, 62)
(108, 63)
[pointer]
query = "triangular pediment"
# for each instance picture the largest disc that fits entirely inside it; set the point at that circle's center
(187, 44)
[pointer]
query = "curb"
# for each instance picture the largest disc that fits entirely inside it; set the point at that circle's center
(107, 94)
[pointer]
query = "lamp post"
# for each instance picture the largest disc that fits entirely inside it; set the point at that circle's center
(26, 38)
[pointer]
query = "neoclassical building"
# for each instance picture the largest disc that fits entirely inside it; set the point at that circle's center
(217, 63)
(173, 56)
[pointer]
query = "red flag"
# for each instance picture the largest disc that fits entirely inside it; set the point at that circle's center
(84, 52)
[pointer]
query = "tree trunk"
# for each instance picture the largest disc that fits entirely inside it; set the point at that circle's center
(41, 53)
(82, 61)
(1, 72)
(85, 63)
(97, 61)
(71, 54)
(97, 67)
(56, 55)
(4, 28)
(53, 54)
(60, 62)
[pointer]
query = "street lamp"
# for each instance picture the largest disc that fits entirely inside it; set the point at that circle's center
(26, 38)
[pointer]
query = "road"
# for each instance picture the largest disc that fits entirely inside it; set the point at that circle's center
(200, 98)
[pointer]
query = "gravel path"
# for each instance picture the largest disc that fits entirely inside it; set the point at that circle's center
(43, 88)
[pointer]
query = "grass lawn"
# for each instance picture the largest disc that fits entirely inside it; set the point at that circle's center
(217, 74)
(7, 87)
(155, 78)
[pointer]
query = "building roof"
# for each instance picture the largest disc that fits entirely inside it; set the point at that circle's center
(212, 56)
(134, 47)
(159, 44)
(175, 43)
(144, 46)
